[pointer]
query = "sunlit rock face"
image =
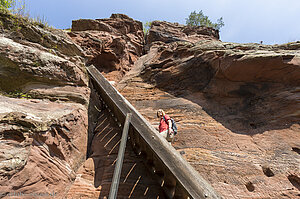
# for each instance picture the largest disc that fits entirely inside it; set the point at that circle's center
(112, 45)
(166, 32)
(43, 109)
(236, 105)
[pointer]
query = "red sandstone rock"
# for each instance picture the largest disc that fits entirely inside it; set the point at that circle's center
(167, 32)
(94, 178)
(237, 108)
(112, 45)
(236, 105)
(43, 142)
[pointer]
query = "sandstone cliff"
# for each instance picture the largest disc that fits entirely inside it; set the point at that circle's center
(43, 109)
(236, 105)
(112, 45)
(237, 108)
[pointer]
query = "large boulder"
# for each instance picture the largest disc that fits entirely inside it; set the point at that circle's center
(43, 143)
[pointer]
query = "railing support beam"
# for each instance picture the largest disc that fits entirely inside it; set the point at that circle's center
(118, 168)
(165, 160)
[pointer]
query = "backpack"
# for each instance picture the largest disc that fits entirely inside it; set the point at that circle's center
(174, 127)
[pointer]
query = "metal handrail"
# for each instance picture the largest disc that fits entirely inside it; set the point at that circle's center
(118, 168)
(176, 176)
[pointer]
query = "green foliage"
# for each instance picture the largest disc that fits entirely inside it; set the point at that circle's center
(17, 94)
(199, 19)
(5, 4)
(40, 21)
(68, 30)
(13, 6)
(146, 26)
(17, 8)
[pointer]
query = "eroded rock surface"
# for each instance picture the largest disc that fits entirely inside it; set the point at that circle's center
(112, 45)
(166, 32)
(236, 105)
(94, 178)
(43, 134)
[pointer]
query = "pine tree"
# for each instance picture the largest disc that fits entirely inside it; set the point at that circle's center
(199, 19)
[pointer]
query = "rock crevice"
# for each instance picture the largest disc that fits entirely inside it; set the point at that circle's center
(236, 105)
(44, 96)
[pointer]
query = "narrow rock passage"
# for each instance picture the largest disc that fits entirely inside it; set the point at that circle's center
(93, 179)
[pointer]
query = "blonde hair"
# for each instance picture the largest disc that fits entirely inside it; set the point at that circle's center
(160, 111)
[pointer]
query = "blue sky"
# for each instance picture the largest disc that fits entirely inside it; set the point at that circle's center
(270, 21)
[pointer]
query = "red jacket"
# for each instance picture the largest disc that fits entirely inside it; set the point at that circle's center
(163, 125)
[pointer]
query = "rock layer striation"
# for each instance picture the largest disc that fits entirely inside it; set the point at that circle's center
(112, 45)
(43, 109)
(236, 105)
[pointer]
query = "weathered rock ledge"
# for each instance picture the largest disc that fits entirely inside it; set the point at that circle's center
(43, 109)
(236, 105)
(112, 45)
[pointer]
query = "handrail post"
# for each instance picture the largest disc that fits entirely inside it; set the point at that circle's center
(165, 159)
(117, 172)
